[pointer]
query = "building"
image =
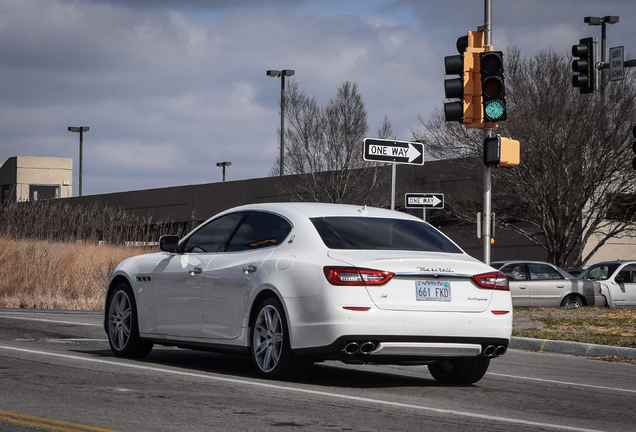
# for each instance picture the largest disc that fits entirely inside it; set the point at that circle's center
(26, 178)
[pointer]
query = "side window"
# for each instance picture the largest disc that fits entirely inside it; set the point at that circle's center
(259, 230)
(543, 272)
(627, 274)
(516, 271)
(214, 235)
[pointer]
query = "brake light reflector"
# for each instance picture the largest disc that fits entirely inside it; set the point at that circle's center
(356, 276)
(493, 280)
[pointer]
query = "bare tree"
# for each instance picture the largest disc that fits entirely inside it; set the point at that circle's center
(323, 146)
(575, 182)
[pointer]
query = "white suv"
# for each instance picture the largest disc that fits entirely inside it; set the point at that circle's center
(617, 280)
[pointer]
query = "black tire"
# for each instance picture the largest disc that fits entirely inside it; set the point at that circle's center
(270, 348)
(123, 328)
(459, 371)
(573, 301)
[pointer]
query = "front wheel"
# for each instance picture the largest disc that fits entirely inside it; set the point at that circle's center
(459, 371)
(271, 351)
(123, 329)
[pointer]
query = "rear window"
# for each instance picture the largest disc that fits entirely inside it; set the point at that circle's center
(381, 234)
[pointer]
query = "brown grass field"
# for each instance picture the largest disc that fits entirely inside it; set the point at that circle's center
(37, 274)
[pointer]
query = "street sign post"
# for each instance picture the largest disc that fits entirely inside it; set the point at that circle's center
(422, 200)
(402, 152)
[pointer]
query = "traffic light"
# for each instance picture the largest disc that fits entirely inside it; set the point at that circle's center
(584, 67)
(466, 88)
(493, 89)
(503, 152)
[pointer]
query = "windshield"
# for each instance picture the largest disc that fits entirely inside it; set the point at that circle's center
(381, 234)
(601, 271)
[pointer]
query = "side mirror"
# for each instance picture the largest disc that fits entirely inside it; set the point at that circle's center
(169, 243)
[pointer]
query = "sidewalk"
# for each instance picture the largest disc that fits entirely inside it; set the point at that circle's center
(573, 348)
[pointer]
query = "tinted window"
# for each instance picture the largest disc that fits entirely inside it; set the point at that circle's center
(381, 234)
(214, 235)
(259, 230)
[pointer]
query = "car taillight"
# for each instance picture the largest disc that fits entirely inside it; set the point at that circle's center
(356, 276)
(492, 280)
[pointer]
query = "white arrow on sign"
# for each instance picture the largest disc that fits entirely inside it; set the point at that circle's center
(425, 201)
(418, 200)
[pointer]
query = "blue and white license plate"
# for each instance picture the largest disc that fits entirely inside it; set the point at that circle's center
(432, 291)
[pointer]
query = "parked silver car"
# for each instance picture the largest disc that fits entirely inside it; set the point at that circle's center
(534, 283)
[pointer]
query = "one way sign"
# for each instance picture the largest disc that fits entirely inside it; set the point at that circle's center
(418, 200)
(403, 152)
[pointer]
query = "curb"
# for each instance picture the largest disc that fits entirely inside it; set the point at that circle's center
(572, 348)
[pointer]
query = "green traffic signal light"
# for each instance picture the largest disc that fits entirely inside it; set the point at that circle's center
(492, 86)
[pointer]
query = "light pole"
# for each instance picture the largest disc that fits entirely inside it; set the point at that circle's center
(81, 130)
(282, 74)
(602, 21)
(223, 165)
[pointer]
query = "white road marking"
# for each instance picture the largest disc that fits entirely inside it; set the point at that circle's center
(49, 320)
(561, 382)
(306, 391)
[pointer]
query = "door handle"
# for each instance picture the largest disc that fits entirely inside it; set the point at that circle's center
(560, 286)
(523, 287)
(249, 269)
(195, 271)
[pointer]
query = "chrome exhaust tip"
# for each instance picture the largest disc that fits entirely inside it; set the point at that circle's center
(351, 348)
(367, 348)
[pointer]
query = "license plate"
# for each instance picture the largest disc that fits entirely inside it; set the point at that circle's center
(432, 291)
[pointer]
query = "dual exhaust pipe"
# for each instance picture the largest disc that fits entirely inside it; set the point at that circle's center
(494, 350)
(363, 348)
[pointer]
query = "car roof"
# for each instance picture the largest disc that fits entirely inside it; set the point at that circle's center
(313, 209)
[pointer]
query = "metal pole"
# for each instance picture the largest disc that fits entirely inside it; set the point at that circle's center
(282, 122)
(81, 158)
(487, 184)
(393, 172)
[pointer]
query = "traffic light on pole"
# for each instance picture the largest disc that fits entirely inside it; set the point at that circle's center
(502, 152)
(584, 66)
(467, 87)
(493, 89)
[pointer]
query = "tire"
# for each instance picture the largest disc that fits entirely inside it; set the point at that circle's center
(573, 301)
(270, 349)
(123, 328)
(459, 371)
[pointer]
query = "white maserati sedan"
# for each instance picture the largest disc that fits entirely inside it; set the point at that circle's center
(290, 284)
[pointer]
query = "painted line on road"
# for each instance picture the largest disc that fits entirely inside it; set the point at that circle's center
(560, 382)
(45, 423)
(305, 391)
(49, 321)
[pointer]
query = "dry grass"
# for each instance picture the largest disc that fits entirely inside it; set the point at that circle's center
(594, 325)
(48, 275)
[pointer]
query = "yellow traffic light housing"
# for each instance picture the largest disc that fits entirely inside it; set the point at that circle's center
(473, 113)
(502, 152)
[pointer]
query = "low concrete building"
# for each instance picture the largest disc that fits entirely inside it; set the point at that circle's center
(27, 178)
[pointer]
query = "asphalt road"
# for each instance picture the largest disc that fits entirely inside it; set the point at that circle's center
(57, 373)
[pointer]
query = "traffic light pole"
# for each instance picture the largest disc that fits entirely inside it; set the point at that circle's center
(487, 196)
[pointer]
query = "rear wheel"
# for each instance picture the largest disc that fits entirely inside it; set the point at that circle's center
(459, 371)
(123, 329)
(271, 351)
(573, 301)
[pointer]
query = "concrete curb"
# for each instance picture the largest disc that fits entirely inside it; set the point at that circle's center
(572, 348)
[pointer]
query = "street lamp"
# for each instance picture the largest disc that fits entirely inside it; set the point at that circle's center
(81, 130)
(223, 164)
(602, 21)
(282, 74)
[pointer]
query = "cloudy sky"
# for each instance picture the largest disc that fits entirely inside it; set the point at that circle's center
(171, 87)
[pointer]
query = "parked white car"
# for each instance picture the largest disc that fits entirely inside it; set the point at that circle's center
(294, 283)
(617, 280)
(541, 284)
